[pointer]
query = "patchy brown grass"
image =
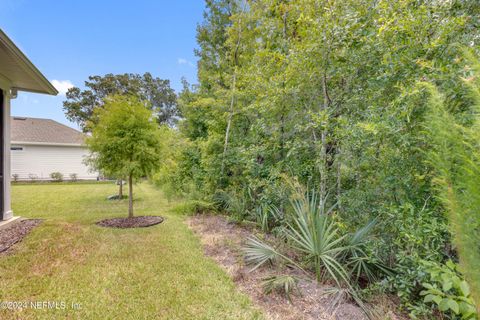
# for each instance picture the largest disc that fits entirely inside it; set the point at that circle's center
(15, 233)
(158, 272)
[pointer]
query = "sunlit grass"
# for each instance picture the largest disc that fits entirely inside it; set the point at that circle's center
(148, 273)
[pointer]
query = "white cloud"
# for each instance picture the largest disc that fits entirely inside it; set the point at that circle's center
(184, 61)
(62, 85)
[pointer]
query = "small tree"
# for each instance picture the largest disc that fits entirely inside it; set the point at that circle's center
(73, 177)
(124, 141)
(56, 176)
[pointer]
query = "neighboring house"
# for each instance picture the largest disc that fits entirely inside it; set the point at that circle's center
(17, 73)
(40, 147)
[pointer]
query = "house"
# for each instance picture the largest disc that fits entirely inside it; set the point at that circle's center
(40, 147)
(17, 73)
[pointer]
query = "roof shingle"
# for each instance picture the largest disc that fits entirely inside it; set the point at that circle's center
(43, 131)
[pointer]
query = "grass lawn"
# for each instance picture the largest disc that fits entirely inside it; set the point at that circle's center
(158, 272)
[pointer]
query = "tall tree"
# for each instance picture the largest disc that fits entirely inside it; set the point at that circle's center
(212, 36)
(80, 104)
(125, 140)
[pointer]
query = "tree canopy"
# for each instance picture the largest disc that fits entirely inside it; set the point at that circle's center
(80, 104)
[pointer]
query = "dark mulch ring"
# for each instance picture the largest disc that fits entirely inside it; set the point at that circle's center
(116, 197)
(15, 233)
(135, 222)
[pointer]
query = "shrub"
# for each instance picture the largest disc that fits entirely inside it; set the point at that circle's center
(73, 177)
(285, 284)
(236, 205)
(312, 232)
(56, 176)
(267, 216)
(193, 207)
(448, 291)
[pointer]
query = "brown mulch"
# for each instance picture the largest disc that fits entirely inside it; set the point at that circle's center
(223, 240)
(135, 222)
(15, 233)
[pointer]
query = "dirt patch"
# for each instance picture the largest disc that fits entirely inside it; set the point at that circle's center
(135, 222)
(15, 233)
(223, 242)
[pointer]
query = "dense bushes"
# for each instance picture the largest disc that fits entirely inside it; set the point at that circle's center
(327, 92)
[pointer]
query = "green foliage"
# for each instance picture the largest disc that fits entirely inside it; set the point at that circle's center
(448, 291)
(171, 175)
(259, 253)
(267, 216)
(312, 232)
(285, 284)
(193, 207)
(361, 260)
(326, 91)
(80, 105)
(456, 158)
(56, 176)
(125, 140)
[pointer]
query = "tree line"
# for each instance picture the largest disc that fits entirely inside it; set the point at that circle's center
(332, 93)
(368, 107)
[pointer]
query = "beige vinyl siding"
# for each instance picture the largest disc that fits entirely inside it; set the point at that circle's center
(41, 160)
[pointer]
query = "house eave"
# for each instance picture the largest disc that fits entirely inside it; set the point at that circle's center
(40, 83)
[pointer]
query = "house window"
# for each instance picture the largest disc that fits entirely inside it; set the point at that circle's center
(15, 148)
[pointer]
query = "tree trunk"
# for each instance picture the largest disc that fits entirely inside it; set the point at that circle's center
(229, 123)
(130, 196)
(232, 100)
(120, 189)
(339, 179)
(323, 141)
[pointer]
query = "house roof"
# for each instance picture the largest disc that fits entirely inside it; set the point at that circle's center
(44, 132)
(19, 71)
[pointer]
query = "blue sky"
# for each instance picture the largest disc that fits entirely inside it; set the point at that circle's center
(69, 40)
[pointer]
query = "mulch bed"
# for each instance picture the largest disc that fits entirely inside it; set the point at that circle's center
(15, 233)
(223, 240)
(135, 222)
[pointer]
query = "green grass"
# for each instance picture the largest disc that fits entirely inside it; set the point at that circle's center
(147, 273)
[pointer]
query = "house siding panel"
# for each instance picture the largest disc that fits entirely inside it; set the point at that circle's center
(40, 161)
